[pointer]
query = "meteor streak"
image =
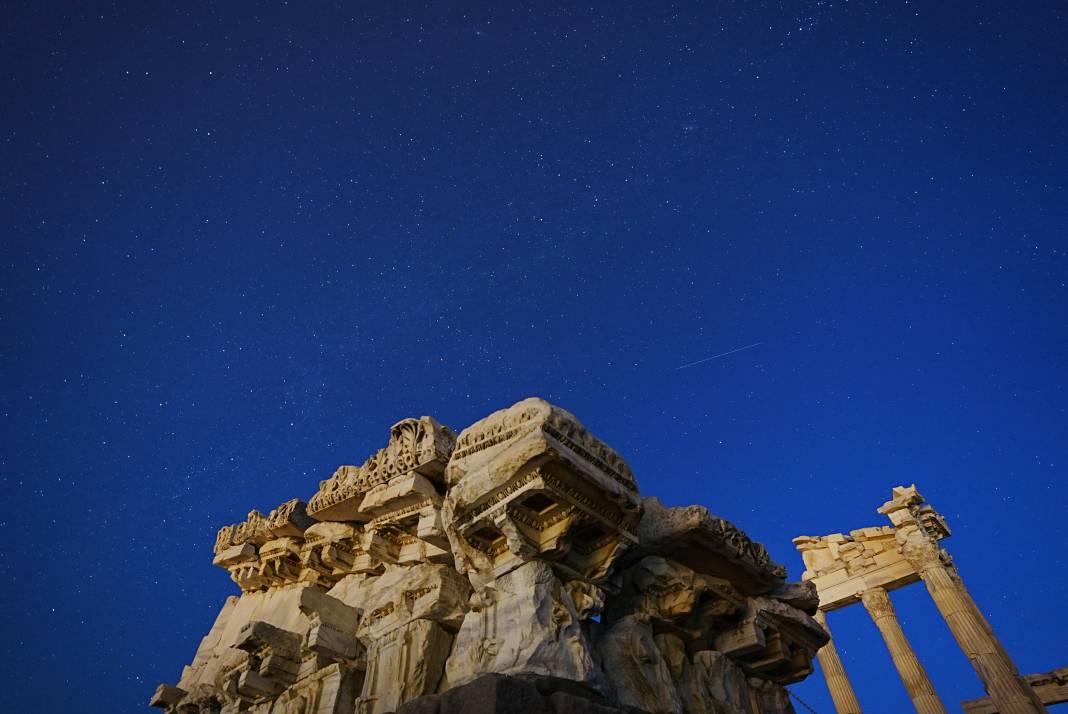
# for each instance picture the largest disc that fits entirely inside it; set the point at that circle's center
(722, 354)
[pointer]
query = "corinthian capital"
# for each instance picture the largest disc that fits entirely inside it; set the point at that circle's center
(877, 603)
(918, 547)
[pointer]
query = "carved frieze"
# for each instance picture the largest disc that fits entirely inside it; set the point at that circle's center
(708, 544)
(842, 567)
(530, 482)
(419, 445)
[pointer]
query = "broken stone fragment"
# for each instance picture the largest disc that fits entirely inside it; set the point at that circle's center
(526, 623)
(803, 596)
(530, 482)
(166, 696)
(289, 519)
(694, 537)
(422, 446)
(329, 552)
(637, 671)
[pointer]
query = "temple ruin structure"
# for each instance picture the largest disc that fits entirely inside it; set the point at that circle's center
(511, 568)
(867, 564)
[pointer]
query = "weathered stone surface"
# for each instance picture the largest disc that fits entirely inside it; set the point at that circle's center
(289, 519)
(331, 690)
(404, 664)
(421, 445)
(638, 672)
(331, 551)
(1050, 687)
(525, 623)
(488, 693)
(529, 482)
(409, 617)
(166, 696)
(508, 569)
(708, 544)
(804, 596)
(218, 654)
(568, 703)
(713, 684)
(500, 694)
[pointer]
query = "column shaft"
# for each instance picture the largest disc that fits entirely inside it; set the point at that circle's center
(917, 683)
(1009, 693)
(842, 694)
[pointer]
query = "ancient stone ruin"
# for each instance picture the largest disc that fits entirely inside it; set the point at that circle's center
(867, 564)
(512, 568)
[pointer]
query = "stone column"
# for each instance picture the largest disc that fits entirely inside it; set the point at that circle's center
(1006, 689)
(917, 529)
(917, 683)
(955, 577)
(842, 694)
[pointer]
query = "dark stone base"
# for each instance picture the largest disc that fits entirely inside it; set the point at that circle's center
(503, 694)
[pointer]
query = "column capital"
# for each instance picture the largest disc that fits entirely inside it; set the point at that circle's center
(919, 548)
(877, 603)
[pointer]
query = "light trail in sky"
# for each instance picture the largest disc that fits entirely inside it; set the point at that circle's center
(722, 354)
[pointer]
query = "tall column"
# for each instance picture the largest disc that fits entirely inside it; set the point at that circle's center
(917, 683)
(955, 577)
(842, 694)
(917, 529)
(1003, 684)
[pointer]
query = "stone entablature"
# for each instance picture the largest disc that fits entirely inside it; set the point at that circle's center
(519, 548)
(843, 567)
(416, 446)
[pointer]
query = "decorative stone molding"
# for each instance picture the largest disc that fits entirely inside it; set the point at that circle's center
(419, 445)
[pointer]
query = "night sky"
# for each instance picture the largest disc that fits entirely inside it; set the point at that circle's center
(242, 240)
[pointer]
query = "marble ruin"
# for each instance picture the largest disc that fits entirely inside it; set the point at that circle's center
(514, 567)
(867, 564)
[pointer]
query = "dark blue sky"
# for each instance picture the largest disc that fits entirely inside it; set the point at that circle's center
(241, 240)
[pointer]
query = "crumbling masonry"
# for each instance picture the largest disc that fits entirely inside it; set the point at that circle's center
(514, 567)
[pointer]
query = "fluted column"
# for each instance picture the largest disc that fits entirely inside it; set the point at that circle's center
(955, 577)
(917, 683)
(1003, 684)
(917, 529)
(842, 694)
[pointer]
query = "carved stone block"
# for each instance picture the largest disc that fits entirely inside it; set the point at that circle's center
(707, 544)
(421, 445)
(529, 482)
(406, 663)
(639, 674)
(525, 623)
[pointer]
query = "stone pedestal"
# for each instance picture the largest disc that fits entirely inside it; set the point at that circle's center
(913, 675)
(845, 699)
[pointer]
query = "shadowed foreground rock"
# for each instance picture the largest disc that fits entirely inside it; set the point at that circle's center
(514, 568)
